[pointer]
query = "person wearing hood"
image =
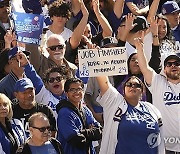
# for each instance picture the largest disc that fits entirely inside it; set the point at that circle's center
(77, 127)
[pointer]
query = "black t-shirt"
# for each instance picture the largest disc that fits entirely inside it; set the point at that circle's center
(24, 114)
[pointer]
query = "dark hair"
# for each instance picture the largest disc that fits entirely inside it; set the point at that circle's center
(60, 8)
(70, 81)
(168, 35)
(135, 77)
(62, 70)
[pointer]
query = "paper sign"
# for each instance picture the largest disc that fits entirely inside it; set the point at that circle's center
(28, 27)
(102, 62)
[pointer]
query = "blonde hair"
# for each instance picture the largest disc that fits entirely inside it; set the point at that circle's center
(4, 98)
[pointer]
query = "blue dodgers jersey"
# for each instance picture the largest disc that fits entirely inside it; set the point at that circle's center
(69, 124)
(138, 132)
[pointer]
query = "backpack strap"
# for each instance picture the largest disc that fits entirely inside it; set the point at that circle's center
(24, 149)
(57, 145)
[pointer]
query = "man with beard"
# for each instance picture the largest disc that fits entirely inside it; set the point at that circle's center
(56, 48)
(165, 93)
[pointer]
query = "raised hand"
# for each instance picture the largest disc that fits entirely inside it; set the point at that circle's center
(22, 58)
(9, 38)
(154, 26)
(139, 41)
(95, 4)
(129, 25)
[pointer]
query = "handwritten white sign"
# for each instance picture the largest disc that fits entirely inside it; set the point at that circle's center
(104, 61)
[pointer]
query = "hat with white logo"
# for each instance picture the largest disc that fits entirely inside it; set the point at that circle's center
(170, 7)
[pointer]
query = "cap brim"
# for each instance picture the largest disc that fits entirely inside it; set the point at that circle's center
(22, 89)
(171, 57)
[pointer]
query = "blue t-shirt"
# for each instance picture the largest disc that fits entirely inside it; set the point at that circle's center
(138, 132)
(47, 148)
(176, 33)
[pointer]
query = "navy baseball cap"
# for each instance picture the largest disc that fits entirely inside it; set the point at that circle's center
(32, 6)
(108, 41)
(172, 56)
(23, 84)
(14, 51)
(170, 7)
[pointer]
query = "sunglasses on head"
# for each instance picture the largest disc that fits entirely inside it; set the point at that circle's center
(175, 63)
(55, 47)
(135, 85)
(58, 79)
(3, 4)
(43, 129)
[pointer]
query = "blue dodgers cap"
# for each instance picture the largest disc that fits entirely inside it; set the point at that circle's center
(14, 51)
(32, 6)
(170, 7)
(23, 84)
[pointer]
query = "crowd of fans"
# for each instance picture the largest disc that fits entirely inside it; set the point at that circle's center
(46, 107)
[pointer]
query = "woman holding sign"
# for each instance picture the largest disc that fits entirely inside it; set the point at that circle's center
(131, 126)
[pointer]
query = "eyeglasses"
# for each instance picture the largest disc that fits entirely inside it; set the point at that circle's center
(135, 85)
(74, 90)
(175, 63)
(43, 129)
(58, 79)
(55, 47)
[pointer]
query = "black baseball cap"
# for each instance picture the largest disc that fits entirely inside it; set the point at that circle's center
(108, 41)
(172, 56)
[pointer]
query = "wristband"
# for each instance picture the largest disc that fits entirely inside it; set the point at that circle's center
(155, 36)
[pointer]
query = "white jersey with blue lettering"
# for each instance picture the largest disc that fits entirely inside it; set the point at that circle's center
(47, 98)
(114, 107)
(166, 97)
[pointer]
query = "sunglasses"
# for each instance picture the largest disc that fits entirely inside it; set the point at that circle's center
(175, 63)
(3, 4)
(61, 15)
(43, 129)
(135, 85)
(74, 90)
(55, 47)
(58, 79)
